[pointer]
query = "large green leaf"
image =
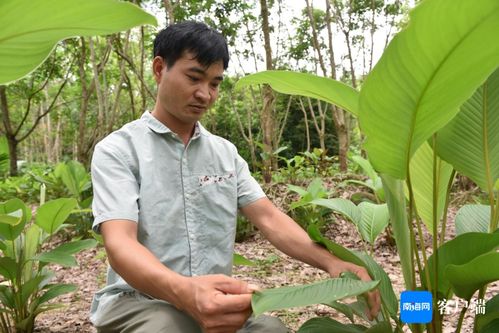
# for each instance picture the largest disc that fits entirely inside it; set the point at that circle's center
(421, 168)
(343, 206)
(472, 218)
(395, 199)
(388, 296)
(329, 325)
(459, 251)
(17, 208)
(336, 249)
(238, 259)
(429, 69)
(29, 30)
(374, 220)
(309, 85)
(53, 213)
(31, 242)
(491, 316)
(54, 291)
(62, 254)
(467, 278)
(8, 268)
(470, 142)
(316, 293)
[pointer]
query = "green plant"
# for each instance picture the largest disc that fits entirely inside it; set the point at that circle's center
(26, 289)
(50, 22)
(71, 179)
(416, 112)
(373, 182)
(305, 211)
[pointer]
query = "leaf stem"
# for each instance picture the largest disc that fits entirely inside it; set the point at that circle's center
(461, 318)
(446, 207)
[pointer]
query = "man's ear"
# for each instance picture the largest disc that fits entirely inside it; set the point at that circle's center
(158, 65)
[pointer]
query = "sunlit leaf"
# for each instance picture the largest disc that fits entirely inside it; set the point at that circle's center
(29, 30)
(429, 69)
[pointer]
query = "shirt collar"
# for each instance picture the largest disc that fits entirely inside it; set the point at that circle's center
(160, 128)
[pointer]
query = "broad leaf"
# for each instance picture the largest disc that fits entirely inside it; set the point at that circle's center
(13, 219)
(29, 30)
(459, 251)
(491, 317)
(375, 271)
(472, 218)
(309, 85)
(421, 168)
(395, 199)
(30, 287)
(53, 213)
(467, 278)
(336, 249)
(8, 268)
(241, 261)
(54, 291)
(328, 325)
(417, 86)
(76, 246)
(6, 297)
(316, 293)
(470, 142)
(31, 243)
(17, 208)
(366, 166)
(59, 258)
(63, 254)
(388, 297)
(374, 219)
(343, 308)
(343, 206)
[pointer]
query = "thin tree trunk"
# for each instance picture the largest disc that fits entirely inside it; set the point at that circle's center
(11, 138)
(315, 39)
(305, 118)
(170, 18)
(339, 115)
(268, 98)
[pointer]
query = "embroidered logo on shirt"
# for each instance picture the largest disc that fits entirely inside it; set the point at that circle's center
(214, 179)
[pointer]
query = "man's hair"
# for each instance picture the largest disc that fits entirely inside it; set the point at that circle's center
(206, 44)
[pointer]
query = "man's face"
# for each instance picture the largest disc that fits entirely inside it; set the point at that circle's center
(187, 89)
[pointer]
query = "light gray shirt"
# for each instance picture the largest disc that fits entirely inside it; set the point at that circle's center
(184, 199)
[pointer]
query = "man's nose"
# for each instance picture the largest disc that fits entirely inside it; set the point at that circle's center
(203, 93)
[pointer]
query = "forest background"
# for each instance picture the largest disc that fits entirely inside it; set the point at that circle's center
(91, 86)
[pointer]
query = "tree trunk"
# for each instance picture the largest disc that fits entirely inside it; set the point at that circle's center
(11, 138)
(339, 115)
(266, 118)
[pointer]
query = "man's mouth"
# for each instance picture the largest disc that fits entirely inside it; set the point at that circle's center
(198, 108)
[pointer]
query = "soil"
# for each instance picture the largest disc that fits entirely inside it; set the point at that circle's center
(273, 269)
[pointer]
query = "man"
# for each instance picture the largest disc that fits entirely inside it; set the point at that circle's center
(166, 195)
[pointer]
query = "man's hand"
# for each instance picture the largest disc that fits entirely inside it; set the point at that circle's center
(220, 304)
(373, 297)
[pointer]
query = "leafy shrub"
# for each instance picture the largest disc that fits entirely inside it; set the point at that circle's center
(26, 289)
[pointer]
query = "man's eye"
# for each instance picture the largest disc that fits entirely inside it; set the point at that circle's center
(193, 78)
(215, 85)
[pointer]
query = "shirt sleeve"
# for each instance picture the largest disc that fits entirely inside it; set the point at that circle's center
(116, 190)
(248, 189)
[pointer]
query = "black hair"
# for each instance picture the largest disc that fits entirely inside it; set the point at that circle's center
(207, 45)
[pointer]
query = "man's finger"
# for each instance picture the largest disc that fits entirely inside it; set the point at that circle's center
(230, 285)
(230, 303)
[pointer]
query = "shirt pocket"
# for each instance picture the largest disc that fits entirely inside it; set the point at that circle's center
(216, 198)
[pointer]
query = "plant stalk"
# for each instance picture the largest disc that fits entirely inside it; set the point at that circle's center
(446, 207)
(461, 318)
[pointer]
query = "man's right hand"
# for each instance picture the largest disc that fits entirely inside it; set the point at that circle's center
(220, 304)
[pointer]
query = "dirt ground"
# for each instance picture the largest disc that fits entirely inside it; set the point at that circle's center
(274, 269)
